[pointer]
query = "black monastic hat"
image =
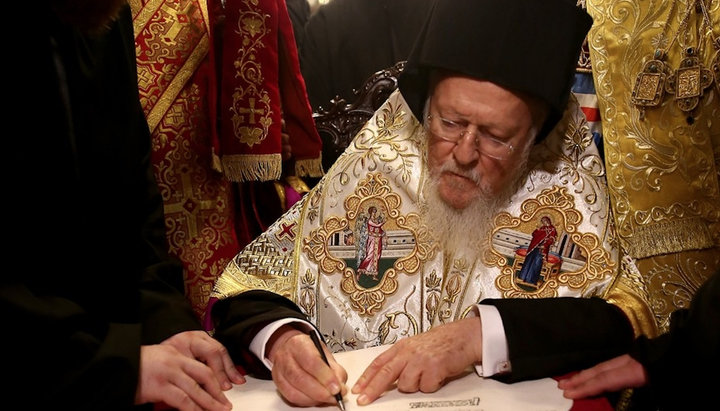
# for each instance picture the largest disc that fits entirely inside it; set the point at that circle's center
(531, 46)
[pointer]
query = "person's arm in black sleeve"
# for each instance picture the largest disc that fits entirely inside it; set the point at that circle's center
(73, 305)
(677, 361)
(239, 318)
(553, 336)
(165, 308)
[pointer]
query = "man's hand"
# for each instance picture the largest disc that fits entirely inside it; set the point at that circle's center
(300, 374)
(423, 362)
(200, 346)
(612, 375)
(169, 376)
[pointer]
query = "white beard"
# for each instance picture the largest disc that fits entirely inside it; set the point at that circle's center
(465, 232)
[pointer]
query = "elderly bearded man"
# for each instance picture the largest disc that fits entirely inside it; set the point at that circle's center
(477, 146)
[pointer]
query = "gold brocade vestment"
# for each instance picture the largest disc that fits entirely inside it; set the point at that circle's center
(311, 255)
(663, 170)
(172, 46)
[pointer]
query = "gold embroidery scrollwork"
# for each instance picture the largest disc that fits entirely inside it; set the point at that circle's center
(251, 100)
(432, 283)
(391, 322)
(453, 287)
(316, 245)
(373, 186)
(368, 302)
(381, 143)
(306, 301)
(595, 253)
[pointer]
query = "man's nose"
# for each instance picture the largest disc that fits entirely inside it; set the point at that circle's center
(466, 151)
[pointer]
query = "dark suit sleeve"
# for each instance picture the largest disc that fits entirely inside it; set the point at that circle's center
(87, 229)
(676, 360)
(238, 319)
(165, 309)
(553, 336)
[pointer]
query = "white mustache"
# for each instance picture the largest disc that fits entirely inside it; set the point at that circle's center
(471, 174)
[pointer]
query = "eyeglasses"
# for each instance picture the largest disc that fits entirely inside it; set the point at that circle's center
(453, 132)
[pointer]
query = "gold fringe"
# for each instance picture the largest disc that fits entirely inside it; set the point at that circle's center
(311, 167)
(670, 237)
(252, 167)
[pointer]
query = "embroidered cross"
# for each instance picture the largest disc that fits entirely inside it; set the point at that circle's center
(179, 19)
(252, 110)
(186, 207)
(288, 230)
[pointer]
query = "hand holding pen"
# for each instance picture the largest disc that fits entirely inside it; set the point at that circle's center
(318, 344)
(302, 376)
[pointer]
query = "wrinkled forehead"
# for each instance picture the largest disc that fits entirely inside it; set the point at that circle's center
(465, 95)
(438, 76)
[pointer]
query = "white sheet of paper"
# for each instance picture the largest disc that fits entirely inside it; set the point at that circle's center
(468, 393)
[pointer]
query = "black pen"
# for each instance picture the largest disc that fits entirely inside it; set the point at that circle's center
(318, 345)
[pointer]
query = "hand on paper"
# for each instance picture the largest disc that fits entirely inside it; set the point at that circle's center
(169, 376)
(423, 362)
(612, 375)
(199, 345)
(300, 374)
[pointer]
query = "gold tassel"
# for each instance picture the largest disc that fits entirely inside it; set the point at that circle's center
(309, 168)
(255, 167)
(215, 162)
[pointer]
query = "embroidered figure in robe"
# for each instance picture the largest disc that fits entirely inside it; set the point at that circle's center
(538, 251)
(360, 239)
(373, 245)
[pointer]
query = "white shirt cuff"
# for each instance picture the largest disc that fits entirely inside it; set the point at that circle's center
(494, 343)
(259, 342)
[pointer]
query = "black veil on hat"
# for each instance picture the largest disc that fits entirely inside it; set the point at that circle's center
(531, 46)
